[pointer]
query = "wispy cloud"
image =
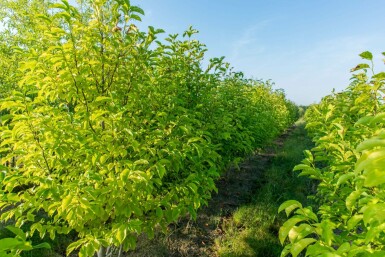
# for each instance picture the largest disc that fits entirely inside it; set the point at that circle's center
(248, 40)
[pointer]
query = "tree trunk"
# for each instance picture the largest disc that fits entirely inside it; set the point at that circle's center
(102, 252)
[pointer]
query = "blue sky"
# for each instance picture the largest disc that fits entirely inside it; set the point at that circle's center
(306, 47)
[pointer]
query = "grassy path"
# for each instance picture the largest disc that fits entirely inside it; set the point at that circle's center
(242, 220)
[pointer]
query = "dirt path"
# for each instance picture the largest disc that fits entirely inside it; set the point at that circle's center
(235, 188)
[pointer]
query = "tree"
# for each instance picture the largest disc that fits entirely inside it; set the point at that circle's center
(82, 142)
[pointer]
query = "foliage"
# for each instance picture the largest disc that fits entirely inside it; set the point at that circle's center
(12, 247)
(18, 28)
(111, 133)
(348, 162)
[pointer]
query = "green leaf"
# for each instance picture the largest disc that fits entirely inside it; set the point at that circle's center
(374, 214)
(374, 232)
(158, 31)
(198, 149)
(141, 162)
(159, 212)
(373, 164)
(312, 173)
(317, 249)
(289, 206)
(71, 247)
(309, 155)
(307, 212)
(379, 76)
(17, 231)
(44, 17)
(10, 243)
(327, 231)
(298, 247)
(194, 139)
(136, 9)
(352, 199)
(302, 167)
(121, 234)
(2, 176)
(135, 17)
(375, 176)
(65, 2)
(42, 245)
(88, 250)
(353, 221)
(30, 216)
(286, 250)
(175, 213)
(379, 118)
(370, 144)
(102, 99)
(59, 6)
(366, 55)
(287, 226)
(344, 178)
(360, 67)
(300, 232)
(364, 120)
(374, 254)
(161, 170)
(66, 202)
(345, 247)
(103, 158)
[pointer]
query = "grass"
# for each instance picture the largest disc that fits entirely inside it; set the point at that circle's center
(252, 230)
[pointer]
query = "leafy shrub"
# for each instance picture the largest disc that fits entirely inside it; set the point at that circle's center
(348, 162)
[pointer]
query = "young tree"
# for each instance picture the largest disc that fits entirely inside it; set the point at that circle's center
(87, 140)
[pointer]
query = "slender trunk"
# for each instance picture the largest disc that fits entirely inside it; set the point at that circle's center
(120, 251)
(102, 251)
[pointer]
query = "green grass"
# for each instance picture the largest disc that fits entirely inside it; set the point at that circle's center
(252, 230)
